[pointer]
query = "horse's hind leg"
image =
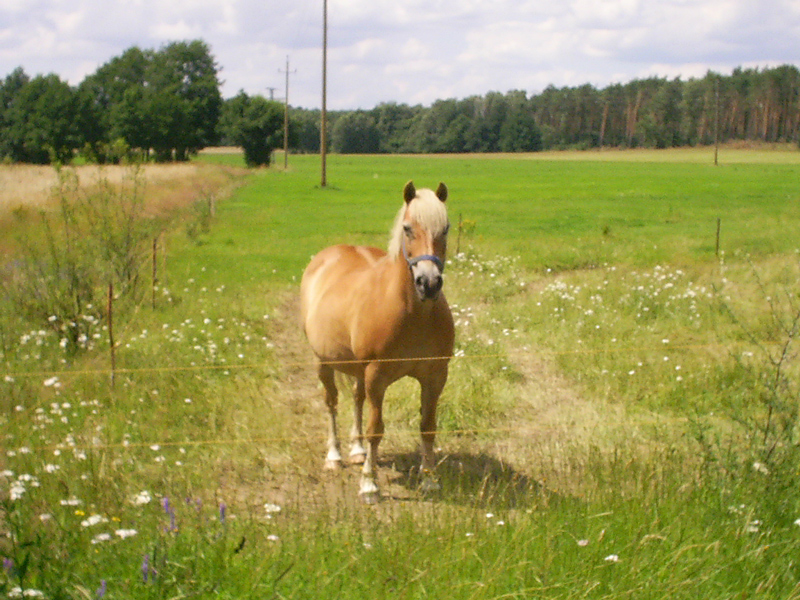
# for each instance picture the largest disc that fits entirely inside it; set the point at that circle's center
(326, 375)
(357, 451)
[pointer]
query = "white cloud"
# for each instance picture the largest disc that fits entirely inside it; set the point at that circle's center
(175, 30)
(409, 51)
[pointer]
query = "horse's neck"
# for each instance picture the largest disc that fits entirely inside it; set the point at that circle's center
(391, 280)
(399, 275)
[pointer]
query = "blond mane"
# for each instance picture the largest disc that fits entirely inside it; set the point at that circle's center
(425, 209)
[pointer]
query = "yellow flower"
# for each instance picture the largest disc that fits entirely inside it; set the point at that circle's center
(79, 513)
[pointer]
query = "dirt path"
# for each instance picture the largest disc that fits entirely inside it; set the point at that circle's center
(550, 416)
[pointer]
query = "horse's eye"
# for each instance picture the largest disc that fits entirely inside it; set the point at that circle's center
(446, 229)
(409, 231)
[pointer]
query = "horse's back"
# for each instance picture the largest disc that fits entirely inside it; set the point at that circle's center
(335, 266)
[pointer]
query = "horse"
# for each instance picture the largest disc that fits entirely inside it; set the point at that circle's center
(379, 316)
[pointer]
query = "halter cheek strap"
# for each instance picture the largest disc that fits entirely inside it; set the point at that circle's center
(431, 257)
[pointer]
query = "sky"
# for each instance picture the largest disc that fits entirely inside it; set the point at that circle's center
(409, 51)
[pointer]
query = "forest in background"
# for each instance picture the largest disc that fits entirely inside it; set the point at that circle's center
(166, 105)
(750, 105)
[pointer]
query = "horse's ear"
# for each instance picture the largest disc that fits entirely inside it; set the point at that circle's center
(441, 192)
(409, 192)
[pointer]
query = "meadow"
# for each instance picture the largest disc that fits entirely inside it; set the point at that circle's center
(621, 418)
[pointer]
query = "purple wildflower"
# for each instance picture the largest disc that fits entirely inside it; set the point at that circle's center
(8, 566)
(101, 591)
(222, 510)
(171, 512)
(145, 567)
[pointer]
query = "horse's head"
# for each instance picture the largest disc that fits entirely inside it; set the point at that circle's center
(424, 237)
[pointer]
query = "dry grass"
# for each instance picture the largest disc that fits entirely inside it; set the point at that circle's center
(167, 187)
(213, 150)
(31, 185)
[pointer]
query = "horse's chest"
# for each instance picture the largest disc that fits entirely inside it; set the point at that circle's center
(404, 335)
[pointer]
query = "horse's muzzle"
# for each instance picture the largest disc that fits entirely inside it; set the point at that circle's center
(428, 286)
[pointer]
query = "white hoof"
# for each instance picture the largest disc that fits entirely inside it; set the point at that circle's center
(369, 491)
(358, 458)
(333, 462)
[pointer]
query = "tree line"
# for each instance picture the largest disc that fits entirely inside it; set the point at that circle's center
(750, 105)
(166, 104)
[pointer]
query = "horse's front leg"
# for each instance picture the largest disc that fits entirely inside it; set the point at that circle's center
(333, 460)
(432, 387)
(375, 390)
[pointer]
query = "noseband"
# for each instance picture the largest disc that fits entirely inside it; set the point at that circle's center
(413, 261)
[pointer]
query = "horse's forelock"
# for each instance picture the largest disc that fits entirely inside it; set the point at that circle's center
(430, 212)
(427, 210)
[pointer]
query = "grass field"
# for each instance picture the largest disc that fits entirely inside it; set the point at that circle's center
(621, 418)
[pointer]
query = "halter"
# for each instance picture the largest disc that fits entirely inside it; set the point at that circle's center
(413, 261)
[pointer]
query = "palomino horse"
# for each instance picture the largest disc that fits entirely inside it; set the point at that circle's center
(380, 316)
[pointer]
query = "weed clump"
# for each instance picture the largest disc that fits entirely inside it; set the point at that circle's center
(91, 238)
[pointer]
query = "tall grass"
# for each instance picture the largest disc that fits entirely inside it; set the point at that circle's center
(618, 422)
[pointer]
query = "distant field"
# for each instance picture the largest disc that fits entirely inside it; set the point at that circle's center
(620, 420)
(31, 185)
(567, 211)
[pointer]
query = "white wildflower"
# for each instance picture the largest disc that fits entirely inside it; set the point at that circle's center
(93, 520)
(753, 526)
(125, 533)
(17, 491)
(17, 592)
(142, 498)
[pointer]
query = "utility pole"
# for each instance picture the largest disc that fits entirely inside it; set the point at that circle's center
(286, 119)
(716, 121)
(324, 120)
(272, 92)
